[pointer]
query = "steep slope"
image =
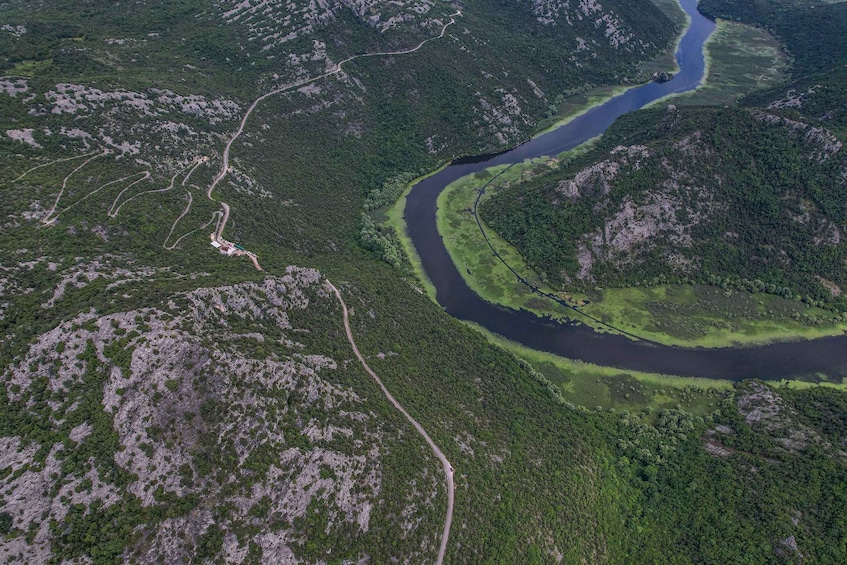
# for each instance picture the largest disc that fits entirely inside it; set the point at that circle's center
(753, 197)
(162, 402)
(817, 97)
(748, 194)
(208, 426)
(800, 26)
(162, 85)
(231, 422)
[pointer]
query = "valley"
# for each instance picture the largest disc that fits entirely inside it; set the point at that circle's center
(168, 400)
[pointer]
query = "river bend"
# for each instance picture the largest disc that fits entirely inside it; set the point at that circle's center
(775, 361)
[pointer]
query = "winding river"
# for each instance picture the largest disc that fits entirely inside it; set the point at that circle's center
(803, 359)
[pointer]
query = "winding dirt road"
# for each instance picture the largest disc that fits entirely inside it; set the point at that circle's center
(337, 69)
(48, 217)
(448, 469)
(25, 173)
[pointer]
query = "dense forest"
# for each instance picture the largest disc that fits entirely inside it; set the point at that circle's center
(812, 32)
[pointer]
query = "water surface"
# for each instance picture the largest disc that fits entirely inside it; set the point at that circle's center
(795, 359)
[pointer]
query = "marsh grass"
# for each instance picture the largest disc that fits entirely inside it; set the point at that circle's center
(686, 315)
(740, 59)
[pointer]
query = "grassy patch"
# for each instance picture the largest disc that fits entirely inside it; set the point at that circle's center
(804, 385)
(571, 107)
(487, 276)
(709, 316)
(567, 109)
(740, 59)
(483, 273)
(594, 386)
(394, 219)
(31, 68)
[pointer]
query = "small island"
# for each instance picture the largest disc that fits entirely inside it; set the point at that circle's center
(662, 77)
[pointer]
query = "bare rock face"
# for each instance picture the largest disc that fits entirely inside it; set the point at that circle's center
(634, 225)
(176, 412)
(764, 410)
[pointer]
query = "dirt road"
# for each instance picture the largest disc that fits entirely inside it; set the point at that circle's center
(337, 69)
(448, 469)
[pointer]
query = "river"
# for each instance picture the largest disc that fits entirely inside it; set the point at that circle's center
(797, 359)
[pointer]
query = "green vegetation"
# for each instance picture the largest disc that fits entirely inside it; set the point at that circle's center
(817, 98)
(666, 62)
(709, 316)
(383, 244)
(770, 195)
(714, 219)
(740, 59)
(688, 314)
(389, 192)
(798, 24)
(309, 218)
(747, 470)
(457, 225)
(593, 386)
(537, 479)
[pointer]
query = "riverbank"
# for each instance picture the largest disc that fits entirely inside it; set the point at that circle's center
(740, 59)
(571, 109)
(678, 315)
(607, 388)
(418, 209)
(394, 220)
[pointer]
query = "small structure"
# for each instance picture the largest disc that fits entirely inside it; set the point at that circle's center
(229, 249)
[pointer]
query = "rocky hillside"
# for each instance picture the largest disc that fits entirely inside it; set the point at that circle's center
(146, 98)
(817, 97)
(744, 194)
(752, 197)
(214, 426)
(161, 402)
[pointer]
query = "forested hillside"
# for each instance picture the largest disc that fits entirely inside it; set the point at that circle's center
(738, 193)
(812, 31)
(162, 401)
(818, 97)
(753, 196)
